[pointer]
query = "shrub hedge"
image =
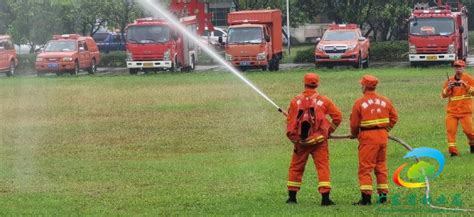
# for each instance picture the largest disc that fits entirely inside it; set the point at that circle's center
(113, 59)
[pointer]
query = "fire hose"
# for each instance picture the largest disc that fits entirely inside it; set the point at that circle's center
(427, 182)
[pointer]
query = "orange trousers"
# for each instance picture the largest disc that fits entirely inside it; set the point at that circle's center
(373, 157)
(452, 128)
(320, 154)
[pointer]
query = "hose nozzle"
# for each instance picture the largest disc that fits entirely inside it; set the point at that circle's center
(283, 112)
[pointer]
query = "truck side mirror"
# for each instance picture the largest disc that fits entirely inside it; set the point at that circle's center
(318, 39)
(220, 40)
(267, 38)
(461, 29)
(362, 38)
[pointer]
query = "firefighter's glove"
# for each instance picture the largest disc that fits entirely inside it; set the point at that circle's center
(353, 136)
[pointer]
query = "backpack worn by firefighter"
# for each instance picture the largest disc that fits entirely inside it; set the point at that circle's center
(310, 126)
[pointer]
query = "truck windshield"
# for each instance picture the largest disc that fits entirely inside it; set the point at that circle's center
(339, 36)
(148, 34)
(61, 46)
(432, 26)
(245, 35)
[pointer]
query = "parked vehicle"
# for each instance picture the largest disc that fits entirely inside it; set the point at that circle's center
(154, 45)
(109, 41)
(212, 37)
(438, 34)
(68, 53)
(342, 44)
(254, 39)
(8, 60)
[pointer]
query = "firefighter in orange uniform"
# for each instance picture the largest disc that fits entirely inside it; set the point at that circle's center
(372, 117)
(459, 89)
(318, 151)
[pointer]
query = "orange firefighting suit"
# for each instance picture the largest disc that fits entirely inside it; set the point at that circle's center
(372, 117)
(319, 152)
(459, 108)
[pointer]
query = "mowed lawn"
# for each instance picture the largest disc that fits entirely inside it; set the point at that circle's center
(202, 144)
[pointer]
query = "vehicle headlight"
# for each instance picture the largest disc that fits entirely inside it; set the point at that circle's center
(67, 58)
(320, 47)
(39, 59)
(167, 55)
(261, 56)
(228, 57)
(129, 56)
(451, 48)
(351, 47)
(412, 49)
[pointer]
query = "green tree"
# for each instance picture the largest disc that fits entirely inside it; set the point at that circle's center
(32, 22)
(123, 13)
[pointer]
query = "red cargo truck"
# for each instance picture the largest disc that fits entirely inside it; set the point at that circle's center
(254, 39)
(438, 34)
(155, 45)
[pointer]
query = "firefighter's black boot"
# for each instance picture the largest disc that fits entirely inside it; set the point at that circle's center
(364, 201)
(382, 198)
(472, 149)
(325, 201)
(291, 197)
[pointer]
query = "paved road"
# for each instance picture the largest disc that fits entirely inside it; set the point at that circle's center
(201, 68)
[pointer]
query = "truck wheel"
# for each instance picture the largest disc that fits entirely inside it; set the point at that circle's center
(93, 69)
(414, 64)
(133, 71)
(366, 62)
(76, 68)
(271, 65)
(276, 66)
(59, 73)
(11, 71)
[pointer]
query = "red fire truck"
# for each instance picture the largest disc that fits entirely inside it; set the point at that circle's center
(438, 33)
(155, 45)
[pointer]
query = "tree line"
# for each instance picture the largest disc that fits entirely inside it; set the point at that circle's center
(33, 22)
(383, 19)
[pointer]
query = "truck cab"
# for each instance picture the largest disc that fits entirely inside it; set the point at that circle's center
(8, 59)
(343, 44)
(254, 39)
(68, 53)
(154, 45)
(438, 34)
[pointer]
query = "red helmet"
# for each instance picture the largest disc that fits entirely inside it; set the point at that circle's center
(311, 79)
(369, 81)
(460, 63)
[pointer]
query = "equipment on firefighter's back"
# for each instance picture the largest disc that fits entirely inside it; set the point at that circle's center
(309, 127)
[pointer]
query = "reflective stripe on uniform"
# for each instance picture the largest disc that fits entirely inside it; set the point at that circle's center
(382, 186)
(366, 187)
(374, 122)
(315, 140)
(324, 184)
(457, 98)
(294, 184)
(451, 144)
(471, 90)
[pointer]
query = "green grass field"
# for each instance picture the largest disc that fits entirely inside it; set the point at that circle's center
(201, 144)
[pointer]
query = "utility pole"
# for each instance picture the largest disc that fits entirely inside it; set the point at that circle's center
(288, 25)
